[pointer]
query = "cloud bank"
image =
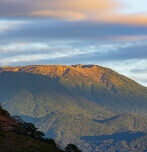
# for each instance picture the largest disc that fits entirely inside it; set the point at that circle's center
(106, 11)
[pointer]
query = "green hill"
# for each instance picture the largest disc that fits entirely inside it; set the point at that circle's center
(73, 103)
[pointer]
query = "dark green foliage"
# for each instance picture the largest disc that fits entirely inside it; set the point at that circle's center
(18, 119)
(18, 143)
(32, 130)
(72, 148)
(3, 112)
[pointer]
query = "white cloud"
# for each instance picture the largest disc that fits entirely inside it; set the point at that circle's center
(104, 11)
(6, 25)
(18, 47)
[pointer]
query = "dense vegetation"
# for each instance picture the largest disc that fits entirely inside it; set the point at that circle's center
(118, 142)
(73, 103)
(19, 136)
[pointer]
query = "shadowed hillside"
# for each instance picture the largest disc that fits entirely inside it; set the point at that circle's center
(121, 142)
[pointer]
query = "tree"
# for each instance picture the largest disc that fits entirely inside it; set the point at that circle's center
(33, 131)
(72, 148)
(29, 128)
(18, 119)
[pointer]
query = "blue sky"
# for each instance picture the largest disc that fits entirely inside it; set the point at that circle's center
(135, 6)
(111, 33)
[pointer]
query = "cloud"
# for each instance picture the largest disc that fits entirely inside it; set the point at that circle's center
(49, 30)
(106, 11)
(133, 19)
(22, 47)
(68, 5)
(6, 25)
(139, 70)
(71, 52)
(66, 15)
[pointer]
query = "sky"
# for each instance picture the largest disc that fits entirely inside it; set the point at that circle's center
(110, 33)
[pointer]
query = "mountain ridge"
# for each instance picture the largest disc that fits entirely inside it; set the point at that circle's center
(59, 70)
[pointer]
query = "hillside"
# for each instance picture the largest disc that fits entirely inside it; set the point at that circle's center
(79, 103)
(13, 137)
(100, 85)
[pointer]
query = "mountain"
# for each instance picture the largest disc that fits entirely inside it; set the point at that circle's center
(78, 103)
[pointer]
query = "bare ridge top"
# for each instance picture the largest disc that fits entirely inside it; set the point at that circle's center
(58, 70)
(79, 72)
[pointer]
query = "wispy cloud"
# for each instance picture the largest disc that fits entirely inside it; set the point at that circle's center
(15, 47)
(19, 52)
(65, 15)
(7, 25)
(106, 11)
(41, 30)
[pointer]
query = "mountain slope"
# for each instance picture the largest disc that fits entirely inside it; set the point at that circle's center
(97, 84)
(71, 103)
(73, 128)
